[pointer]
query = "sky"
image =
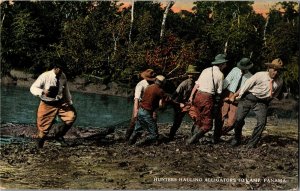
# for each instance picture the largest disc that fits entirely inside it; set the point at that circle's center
(261, 6)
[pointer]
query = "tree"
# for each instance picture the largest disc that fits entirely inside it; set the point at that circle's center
(168, 7)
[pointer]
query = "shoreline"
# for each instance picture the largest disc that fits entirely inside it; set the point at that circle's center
(77, 85)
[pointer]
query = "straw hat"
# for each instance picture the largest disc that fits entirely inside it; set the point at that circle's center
(148, 75)
(276, 64)
(192, 70)
(161, 78)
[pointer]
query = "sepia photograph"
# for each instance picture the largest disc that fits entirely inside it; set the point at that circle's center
(149, 95)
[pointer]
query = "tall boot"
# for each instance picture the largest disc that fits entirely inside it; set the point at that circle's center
(128, 133)
(236, 141)
(40, 142)
(217, 132)
(130, 129)
(40, 139)
(193, 129)
(133, 138)
(195, 138)
(226, 129)
(178, 117)
(60, 133)
(172, 133)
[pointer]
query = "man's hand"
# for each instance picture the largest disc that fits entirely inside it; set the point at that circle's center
(227, 99)
(45, 92)
(181, 105)
(154, 115)
(231, 99)
(190, 100)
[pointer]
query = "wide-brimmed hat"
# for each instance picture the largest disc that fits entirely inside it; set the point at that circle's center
(161, 78)
(192, 70)
(148, 75)
(244, 64)
(219, 59)
(276, 63)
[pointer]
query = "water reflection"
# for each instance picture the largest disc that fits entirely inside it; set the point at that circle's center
(18, 105)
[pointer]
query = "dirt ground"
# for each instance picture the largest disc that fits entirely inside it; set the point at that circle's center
(110, 163)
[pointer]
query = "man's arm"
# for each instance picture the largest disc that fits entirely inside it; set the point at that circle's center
(228, 79)
(278, 94)
(193, 92)
(135, 107)
(37, 87)
(247, 85)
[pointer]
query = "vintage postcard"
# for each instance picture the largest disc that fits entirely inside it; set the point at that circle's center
(139, 95)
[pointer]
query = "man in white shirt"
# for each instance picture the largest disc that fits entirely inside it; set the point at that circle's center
(208, 85)
(256, 94)
(148, 78)
(52, 88)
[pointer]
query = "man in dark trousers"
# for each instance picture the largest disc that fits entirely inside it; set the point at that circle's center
(52, 88)
(255, 95)
(226, 116)
(154, 97)
(181, 95)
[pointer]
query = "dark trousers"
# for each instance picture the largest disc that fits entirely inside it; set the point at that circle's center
(259, 107)
(178, 117)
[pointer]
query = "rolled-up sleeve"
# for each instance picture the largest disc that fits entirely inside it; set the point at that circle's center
(247, 85)
(37, 87)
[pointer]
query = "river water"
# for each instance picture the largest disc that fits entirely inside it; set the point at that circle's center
(18, 105)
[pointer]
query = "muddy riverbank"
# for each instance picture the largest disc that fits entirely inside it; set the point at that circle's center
(108, 162)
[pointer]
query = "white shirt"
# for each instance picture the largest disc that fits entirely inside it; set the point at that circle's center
(205, 80)
(140, 89)
(259, 85)
(47, 79)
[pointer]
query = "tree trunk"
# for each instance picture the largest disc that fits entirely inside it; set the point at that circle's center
(115, 42)
(2, 20)
(225, 47)
(168, 7)
(131, 24)
(266, 25)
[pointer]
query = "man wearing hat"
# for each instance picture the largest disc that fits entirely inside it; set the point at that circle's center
(181, 95)
(256, 94)
(231, 84)
(154, 96)
(148, 78)
(208, 85)
(52, 88)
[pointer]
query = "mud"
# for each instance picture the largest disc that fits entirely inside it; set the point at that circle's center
(107, 162)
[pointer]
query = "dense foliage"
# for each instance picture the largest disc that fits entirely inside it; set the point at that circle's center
(92, 38)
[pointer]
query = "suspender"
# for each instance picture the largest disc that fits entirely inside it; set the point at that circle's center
(212, 75)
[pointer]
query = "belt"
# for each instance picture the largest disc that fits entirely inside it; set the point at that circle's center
(52, 103)
(252, 97)
(199, 91)
(145, 109)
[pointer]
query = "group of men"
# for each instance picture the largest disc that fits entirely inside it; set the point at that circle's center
(209, 98)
